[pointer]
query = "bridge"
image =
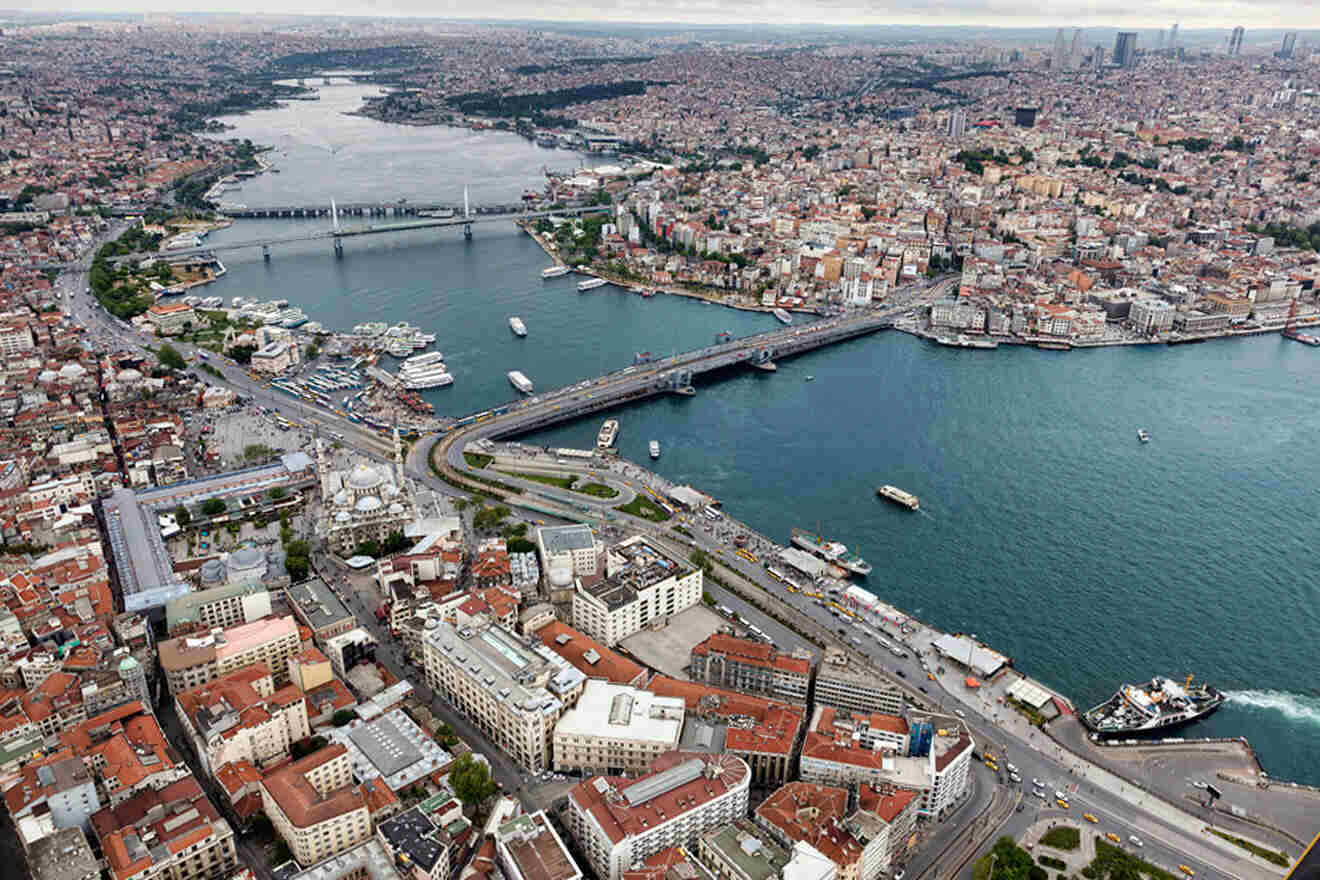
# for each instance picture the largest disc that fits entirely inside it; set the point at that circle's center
(337, 233)
(369, 209)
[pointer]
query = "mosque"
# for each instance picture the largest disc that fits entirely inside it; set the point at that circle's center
(364, 503)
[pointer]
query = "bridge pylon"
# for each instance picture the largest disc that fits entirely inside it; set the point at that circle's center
(265, 252)
(339, 247)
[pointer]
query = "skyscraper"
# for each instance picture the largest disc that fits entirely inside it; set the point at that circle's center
(1075, 53)
(1159, 41)
(1056, 61)
(1099, 58)
(1125, 50)
(957, 125)
(1235, 42)
(1173, 36)
(1289, 44)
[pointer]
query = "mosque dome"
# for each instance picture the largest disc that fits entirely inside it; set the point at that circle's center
(363, 478)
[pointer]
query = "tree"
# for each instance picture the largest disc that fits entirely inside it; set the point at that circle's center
(213, 507)
(395, 542)
(312, 353)
(182, 516)
(297, 567)
(471, 780)
(701, 559)
(368, 548)
(521, 545)
(277, 493)
(342, 717)
(169, 357)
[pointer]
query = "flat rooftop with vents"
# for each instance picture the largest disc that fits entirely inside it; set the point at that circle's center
(529, 849)
(391, 748)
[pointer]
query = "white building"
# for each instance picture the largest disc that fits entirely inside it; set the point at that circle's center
(572, 546)
(620, 822)
(642, 586)
(364, 503)
(1150, 316)
(616, 729)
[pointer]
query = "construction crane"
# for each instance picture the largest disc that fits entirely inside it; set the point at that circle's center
(1290, 330)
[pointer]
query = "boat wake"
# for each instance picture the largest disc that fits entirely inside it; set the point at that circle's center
(1295, 707)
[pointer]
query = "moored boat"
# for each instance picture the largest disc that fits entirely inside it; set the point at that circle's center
(654, 447)
(831, 551)
(591, 284)
(555, 272)
(783, 316)
(609, 431)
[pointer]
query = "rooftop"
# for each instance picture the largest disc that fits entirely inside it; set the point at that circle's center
(533, 847)
(522, 674)
(414, 833)
(615, 710)
(589, 656)
(247, 636)
(390, 747)
(317, 604)
(750, 850)
(566, 539)
(63, 855)
(753, 652)
(299, 799)
(366, 861)
(754, 724)
(185, 609)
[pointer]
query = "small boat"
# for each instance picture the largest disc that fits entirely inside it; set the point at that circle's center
(609, 430)
(654, 446)
(811, 378)
(517, 326)
(1142, 435)
(555, 272)
(783, 316)
(521, 382)
(899, 497)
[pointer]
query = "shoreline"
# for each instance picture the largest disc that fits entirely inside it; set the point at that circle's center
(1068, 344)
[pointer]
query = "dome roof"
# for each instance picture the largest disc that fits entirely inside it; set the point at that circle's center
(127, 663)
(391, 490)
(246, 557)
(213, 570)
(73, 370)
(363, 478)
(342, 516)
(561, 577)
(396, 508)
(367, 504)
(128, 376)
(341, 497)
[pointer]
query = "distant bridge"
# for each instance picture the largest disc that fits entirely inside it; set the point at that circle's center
(440, 210)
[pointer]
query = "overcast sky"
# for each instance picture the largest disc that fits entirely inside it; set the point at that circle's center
(1258, 14)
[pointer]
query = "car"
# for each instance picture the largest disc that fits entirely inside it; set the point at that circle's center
(1063, 805)
(1198, 784)
(1090, 818)
(1060, 795)
(900, 673)
(1186, 870)
(1037, 783)
(1113, 838)
(1134, 840)
(931, 677)
(961, 714)
(1013, 776)
(1011, 768)
(922, 688)
(1040, 793)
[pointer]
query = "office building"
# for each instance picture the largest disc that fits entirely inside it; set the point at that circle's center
(59, 784)
(588, 656)
(1075, 53)
(619, 822)
(189, 661)
(751, 666)
(174, 833)
(1289, 45)
(1058, 60)
(616, 729)
(847, 684)
(527, 848)
(1150, 316)
(1235, 41)
(418, 844)
(513, 689)
(315, 806)
(391, 748)
(1173, 36)
(841, 749)
(318, 608)
(1125, 50)
(223, 607)
(956, 126)
(861, 839)
(643, 586)
(241, 717)
(742, 851)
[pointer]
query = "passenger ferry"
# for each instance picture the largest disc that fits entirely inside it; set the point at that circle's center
(898, 496)
(591, 284)
(654, 447)
(521, 382)
(1158, 705)
(608, 432)
(783, 316)
(831, 551)
(517, 326)
(555, 272)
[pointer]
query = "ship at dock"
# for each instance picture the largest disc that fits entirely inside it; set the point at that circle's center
(898, 496)
(555, 272)
(783, 316)
(831, 551)
(591, 284)
(1157, 706)
(608, 432)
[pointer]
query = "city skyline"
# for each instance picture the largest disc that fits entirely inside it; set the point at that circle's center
(1265, 16)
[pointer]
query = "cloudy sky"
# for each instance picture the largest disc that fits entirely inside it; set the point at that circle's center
(1251, 14)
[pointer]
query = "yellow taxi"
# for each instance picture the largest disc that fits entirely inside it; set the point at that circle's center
(1186, 870)
(1092, 819)
(1113, 838)
(1063, 805)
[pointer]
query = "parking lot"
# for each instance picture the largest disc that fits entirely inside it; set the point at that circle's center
(668, 649)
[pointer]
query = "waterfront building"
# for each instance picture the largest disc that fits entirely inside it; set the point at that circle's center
(1150, 316)
(643, 586)
(847, 684)
(223, 607)
(189, 661)
(174, 833)
(169, 319)
(365, 503)
(616, 729)
(241, 717)
(573, 547)
(751, 666)
(514, 690)
(275, 357)
(315, 806)
(620, 822)
(528, 848)
(861, 840)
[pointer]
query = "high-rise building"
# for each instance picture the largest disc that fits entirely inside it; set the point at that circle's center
(1289, 45)
(957, 124)
(1099, 58)
(1075, 53)
(1125, 50)
(1057, 59)
(1173, 36)
(1235, 41)
(1159, 41)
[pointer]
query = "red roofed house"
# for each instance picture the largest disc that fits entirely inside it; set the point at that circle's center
(174, 832)
(315, 805)
(752, 667)
(241, 717)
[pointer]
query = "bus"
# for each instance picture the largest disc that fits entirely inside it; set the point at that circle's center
(777, 575)
(724, 610)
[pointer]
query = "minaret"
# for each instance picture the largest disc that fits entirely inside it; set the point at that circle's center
(398, 461)
(322, 470)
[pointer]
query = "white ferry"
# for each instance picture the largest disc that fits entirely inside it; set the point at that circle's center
(521, 382)
(591, 284)
(899, 497)
(417, 361)
(426, 377)
(555, 272)
(783, 316)
(517, 326)
(654, 447)
(608, 432)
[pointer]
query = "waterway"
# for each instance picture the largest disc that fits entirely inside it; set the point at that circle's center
(1045, 528)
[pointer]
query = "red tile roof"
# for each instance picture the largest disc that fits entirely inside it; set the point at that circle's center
(300, 801)
(611, 665)
(776, 726)
(753, 653)
(813, 813)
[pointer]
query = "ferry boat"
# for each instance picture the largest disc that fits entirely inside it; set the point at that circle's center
(591, 284)
(417, 361)
(608, 432)
(517, 326)
(898, 496)
(783, 316)
(1156, 706)
(521, 382)
(426, 377)
(962, 340)
(555, 272)
(831, 551)
(654, 447)
(1142, 435)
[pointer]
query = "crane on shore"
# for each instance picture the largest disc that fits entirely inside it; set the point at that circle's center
(1290, 330)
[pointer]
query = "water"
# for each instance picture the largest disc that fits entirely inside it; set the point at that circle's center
(1046, 528)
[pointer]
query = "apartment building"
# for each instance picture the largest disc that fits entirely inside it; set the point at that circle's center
(171, 834)
(572, 548)
(319, 609)
(616, 729)
(846, 684)
(527, 848)
(620, 822)
(315, 806)
(862, 840)
(742, 850)
(218, 607)
(642, 586)
(241, 717)
(841, 748)
(126, 750)
(752, 667)
(189, 661)
(589, 656)
(514, 689)
(418, 844)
